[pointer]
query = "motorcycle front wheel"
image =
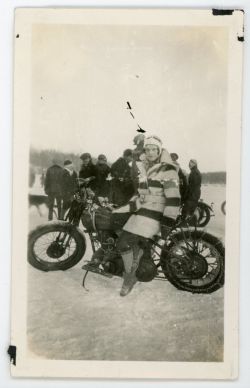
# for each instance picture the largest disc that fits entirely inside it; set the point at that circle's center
(55, 246)
(194, 261)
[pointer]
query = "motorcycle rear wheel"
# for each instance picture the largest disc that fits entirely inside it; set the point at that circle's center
(194, 261)
(55, 246)
(204, 215)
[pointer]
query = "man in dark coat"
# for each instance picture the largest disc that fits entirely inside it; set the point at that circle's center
(183, 184)
(53, 187)
(194, 189)
(88, 171)
(122, 183)
(69, 185)
(102, 172)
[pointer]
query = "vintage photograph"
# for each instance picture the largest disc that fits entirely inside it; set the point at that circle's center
(127, 174)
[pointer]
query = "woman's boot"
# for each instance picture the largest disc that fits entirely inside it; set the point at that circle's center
(131, 261)
(129, 278)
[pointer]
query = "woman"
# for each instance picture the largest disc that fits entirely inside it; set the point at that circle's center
(154, 208)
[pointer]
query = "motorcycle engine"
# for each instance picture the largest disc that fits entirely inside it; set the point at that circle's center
(112, 259)
(147, 269)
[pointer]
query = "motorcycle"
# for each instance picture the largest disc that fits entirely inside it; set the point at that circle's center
(189, 258)
(204, 213)
(201, 216)
(223, 207)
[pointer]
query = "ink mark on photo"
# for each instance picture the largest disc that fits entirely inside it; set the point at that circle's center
(129, 106)
(140, 129)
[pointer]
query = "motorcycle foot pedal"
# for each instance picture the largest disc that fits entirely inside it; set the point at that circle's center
(96, 270)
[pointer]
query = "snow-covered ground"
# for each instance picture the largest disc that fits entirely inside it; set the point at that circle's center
(154, 322)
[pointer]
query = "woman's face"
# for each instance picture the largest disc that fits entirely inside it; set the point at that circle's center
(152, 153)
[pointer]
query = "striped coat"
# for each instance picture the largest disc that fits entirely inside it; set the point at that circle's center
(158, 198)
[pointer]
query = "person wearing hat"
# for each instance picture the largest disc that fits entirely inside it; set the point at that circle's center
(139, 143)
(139, 149)
(53, 187)
(153, 209)
(69, 185)
(102, 172)
(193, 190)
(122, 184)
(182, 177)
(88, 171)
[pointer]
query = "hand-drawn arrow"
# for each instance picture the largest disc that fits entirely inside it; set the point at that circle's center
(130, 108)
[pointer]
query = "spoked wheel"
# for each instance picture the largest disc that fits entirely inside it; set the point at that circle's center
(200, 217)
(194, 261)
(203, 215)
(55, 246)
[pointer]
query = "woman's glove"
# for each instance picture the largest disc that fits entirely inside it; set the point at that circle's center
(165, 226)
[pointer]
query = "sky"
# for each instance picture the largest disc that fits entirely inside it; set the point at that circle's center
(175, 79)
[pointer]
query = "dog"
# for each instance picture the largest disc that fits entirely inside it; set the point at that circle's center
(37, 200)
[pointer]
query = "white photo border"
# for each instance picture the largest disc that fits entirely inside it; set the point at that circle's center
(228, 369)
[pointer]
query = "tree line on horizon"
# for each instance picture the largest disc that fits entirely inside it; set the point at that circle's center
(42, 159)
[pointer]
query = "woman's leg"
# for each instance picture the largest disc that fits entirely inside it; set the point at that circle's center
(127, 244)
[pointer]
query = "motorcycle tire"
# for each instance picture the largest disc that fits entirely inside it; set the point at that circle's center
(204, 215)
(172, 266)
(223, 207)
(55, 260)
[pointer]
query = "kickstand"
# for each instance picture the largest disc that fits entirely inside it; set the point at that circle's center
(83, 281)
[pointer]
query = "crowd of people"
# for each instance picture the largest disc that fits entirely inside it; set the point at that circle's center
(148, 182)
(112, 183)
(116, 183)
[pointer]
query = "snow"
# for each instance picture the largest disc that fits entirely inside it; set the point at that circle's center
(155, 322)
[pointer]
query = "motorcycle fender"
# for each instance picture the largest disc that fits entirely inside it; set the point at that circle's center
(80, 232)
(70, 226)
(205, 205)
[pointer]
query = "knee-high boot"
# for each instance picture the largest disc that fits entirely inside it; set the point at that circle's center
(131, 261)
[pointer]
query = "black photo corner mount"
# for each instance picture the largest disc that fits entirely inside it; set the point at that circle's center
(225, 12)
(228, 12)
(12, 354)
(222, 12)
